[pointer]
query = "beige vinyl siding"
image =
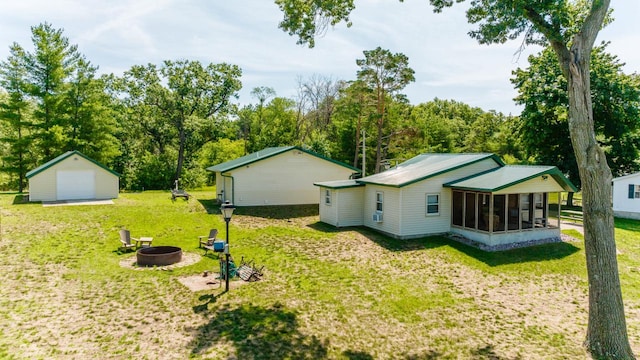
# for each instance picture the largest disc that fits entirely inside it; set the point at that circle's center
(415, 221)
(107, 184)
(284, 179)
(329, 213)
(391, 208)
(536, 185)
(350, 203)
(43, 186)
(224, 186)
(623, 206)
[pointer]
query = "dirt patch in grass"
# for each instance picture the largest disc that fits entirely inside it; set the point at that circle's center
(210, 282)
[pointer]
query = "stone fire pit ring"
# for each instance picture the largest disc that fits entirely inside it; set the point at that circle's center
(158, 255)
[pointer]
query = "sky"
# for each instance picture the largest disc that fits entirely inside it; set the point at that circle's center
(117, 34)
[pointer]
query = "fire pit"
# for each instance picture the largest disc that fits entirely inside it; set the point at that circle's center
(159, 255)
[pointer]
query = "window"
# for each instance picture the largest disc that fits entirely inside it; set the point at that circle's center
(526, 211)
(433, 204)
(379, 201)
(540, 209)
(470, 210)
(327, 197)
(457, 208)
(513, 209)
(484, 214)
(634, 191)
(499, 212)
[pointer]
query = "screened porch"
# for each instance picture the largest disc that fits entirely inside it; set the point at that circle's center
(500, 213)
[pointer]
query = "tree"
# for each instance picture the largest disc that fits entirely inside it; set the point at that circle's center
(48, 68)
(570, 28)
(15, 117)
(616, 103)
(87, 115)
(386, 74)
(275, 125)
(319, 93)
(176, 105)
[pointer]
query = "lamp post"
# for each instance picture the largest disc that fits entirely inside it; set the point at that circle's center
(227, 211)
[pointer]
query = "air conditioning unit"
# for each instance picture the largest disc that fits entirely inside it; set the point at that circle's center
(377, 217)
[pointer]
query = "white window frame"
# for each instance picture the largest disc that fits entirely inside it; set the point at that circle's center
(327, 197)
(379, 202)
(437, 204)
(636, 192)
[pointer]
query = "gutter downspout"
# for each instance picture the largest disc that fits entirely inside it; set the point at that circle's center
(233, 190)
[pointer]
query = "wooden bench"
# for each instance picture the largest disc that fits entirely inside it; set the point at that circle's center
(179, 193)
(571, 215)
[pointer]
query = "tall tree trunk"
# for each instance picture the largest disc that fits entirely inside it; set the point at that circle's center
(183, 139)
(380, 125)
(379, 146)
(607, 330)
(570, 199)
(358, 140)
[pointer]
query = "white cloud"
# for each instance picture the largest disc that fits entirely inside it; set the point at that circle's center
(117, 34)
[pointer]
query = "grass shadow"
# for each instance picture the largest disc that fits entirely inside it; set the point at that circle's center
(357, 355)
(627, 224)
(258, 333)
(536, 253)
(488, 353)
(542, 252)
(210, 205)
(21, 199)
(326, 228)
(383, 240)
(204, 307)
(280, 212)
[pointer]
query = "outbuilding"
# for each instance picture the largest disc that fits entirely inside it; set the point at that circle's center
(626, 196)
(277, 176)
(72, 176)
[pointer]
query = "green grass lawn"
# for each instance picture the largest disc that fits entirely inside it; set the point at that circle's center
(325, 293)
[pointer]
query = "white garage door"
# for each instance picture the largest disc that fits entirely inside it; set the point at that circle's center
(76, 184)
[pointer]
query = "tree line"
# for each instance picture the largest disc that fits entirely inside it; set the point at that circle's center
(161, 122)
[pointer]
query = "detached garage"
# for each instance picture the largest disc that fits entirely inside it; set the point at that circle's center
(72, 176)
(276, 176)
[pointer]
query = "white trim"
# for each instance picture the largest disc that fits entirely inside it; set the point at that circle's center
(380, 201)
(327, 197)
(437, 204)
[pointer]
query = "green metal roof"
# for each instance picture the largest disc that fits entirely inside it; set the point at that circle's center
(62, 157)
(267, 153)
(425, 166)
(510, 175)
(339, 184)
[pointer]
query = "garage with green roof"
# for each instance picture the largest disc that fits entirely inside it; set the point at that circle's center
(72, 176)
(276, 176)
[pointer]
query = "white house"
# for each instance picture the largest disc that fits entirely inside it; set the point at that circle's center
(476, 196)
(72, 176)
(276, 176)
(626, 196)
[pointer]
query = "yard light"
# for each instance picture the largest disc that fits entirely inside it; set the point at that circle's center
(227, 211)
